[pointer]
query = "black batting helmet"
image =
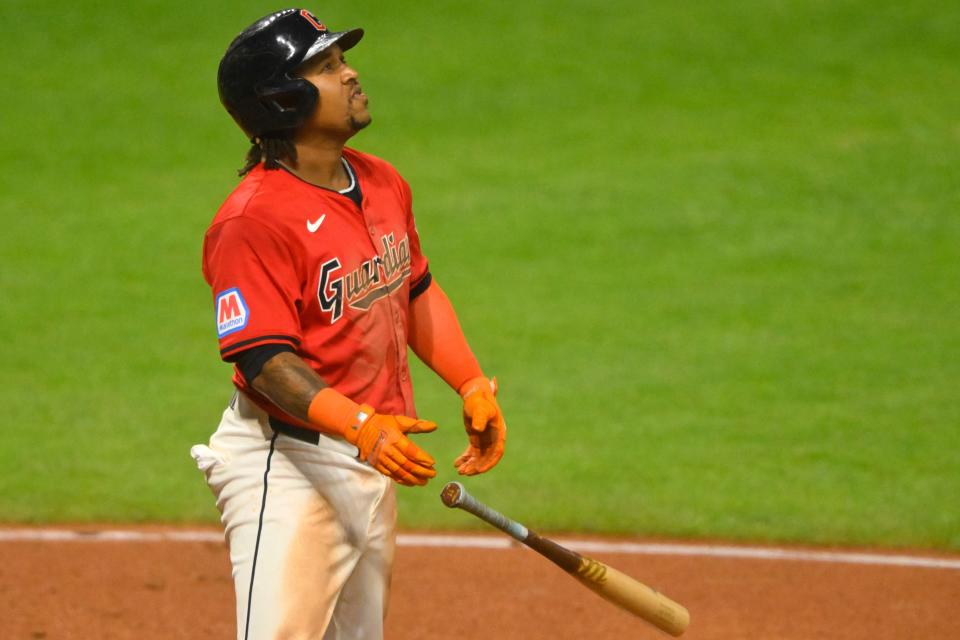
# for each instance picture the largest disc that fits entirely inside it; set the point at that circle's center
(255, 77)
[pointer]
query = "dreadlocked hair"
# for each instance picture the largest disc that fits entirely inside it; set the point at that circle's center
(270, 151)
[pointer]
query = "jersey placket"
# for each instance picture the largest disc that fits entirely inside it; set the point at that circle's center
(393, 302)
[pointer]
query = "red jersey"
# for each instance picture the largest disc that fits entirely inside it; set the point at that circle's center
(293, 263)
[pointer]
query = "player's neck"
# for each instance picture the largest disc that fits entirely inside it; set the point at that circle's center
(320, 165)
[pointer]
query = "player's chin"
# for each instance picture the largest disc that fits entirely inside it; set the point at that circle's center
(360, 121)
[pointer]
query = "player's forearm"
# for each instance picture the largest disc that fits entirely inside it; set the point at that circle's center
(436, 337)
(289, 382)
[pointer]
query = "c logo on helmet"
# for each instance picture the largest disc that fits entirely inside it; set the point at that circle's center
(319, 26)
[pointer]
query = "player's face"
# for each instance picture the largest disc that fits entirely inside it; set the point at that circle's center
(342, 109)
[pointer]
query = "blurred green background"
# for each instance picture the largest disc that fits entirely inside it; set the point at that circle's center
(711, 250)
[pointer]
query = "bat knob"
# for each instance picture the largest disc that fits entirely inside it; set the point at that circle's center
(451, 494)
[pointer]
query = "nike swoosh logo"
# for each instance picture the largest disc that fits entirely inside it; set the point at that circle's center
(313, 226)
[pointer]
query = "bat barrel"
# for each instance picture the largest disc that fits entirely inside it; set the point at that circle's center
(634, 596)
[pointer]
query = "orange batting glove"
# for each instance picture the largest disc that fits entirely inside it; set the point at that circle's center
(379, 437)
(486, 429)
(384, 446)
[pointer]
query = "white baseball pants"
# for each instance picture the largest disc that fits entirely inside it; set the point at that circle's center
(310, 530)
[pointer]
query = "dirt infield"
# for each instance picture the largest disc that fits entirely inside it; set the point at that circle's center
(152, 590)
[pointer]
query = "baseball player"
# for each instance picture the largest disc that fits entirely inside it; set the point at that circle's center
(319, 286)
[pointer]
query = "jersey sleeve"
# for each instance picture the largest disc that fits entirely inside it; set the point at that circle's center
(256, 290)
(419, 268)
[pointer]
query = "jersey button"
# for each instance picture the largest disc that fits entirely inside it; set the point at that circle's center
(373, 230)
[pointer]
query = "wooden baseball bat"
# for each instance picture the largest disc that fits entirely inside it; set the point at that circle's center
(607, 582)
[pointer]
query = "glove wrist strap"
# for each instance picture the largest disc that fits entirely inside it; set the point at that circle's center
(478, 383)
(333, 412)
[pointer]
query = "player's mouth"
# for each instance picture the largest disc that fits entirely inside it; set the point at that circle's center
(358, 94)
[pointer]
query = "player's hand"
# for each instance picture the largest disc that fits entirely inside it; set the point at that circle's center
(384, 446)
(486, 429)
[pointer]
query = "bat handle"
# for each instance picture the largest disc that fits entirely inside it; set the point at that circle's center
(454, 495)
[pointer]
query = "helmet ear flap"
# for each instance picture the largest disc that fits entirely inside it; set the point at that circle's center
(289, 101)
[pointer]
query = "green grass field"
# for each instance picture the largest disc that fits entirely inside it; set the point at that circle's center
(712, 252)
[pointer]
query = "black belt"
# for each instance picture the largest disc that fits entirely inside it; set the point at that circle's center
(305, 435)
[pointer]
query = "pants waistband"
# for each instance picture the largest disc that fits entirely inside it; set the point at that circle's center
(300, 433)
